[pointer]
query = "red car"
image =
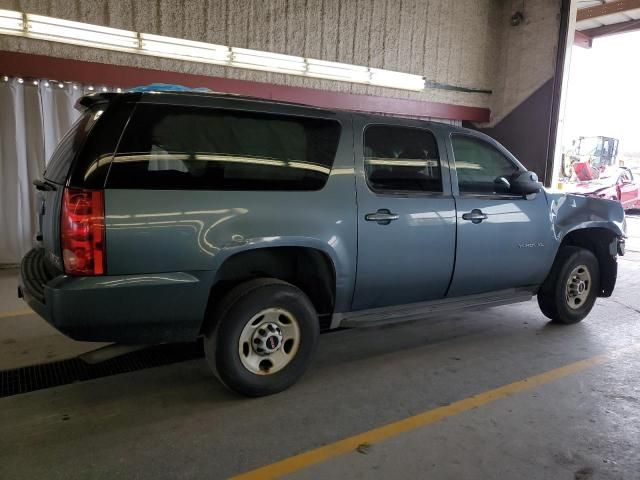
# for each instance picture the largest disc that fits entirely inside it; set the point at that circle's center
(614, 184)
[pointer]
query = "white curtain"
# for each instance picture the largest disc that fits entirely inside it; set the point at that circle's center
(34, 115)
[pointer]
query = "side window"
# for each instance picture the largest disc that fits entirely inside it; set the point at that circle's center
(213, 149)
(401, 159)
(480, 166)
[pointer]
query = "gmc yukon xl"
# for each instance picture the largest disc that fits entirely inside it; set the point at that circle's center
(166, 216)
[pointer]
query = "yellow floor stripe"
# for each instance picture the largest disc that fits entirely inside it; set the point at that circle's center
(341, 447)
(16, 313)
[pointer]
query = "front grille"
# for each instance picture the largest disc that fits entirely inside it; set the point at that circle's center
(37, 377)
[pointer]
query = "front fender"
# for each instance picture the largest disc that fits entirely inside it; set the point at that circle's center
(574, 212)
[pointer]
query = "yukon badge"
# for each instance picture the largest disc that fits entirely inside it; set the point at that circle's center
(530, 245)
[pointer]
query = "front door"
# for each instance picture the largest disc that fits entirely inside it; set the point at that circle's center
(406, 215)
(504, 240)
(629, 190)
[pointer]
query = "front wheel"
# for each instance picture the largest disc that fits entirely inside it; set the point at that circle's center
(569, 292)
(266, 331)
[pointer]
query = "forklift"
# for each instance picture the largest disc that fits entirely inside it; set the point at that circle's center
(590, 157)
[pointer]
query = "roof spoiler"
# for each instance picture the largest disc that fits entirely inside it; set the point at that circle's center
(88, 101)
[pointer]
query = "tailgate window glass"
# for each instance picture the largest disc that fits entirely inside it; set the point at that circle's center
(167, 147)
(70, 145)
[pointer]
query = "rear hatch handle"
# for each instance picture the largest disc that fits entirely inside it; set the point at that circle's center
(44, 186)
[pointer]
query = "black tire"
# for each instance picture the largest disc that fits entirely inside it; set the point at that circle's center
(552, 297)
(241, 304)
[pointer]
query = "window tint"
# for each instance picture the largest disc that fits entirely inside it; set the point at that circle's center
(480, 165)
(92, 164)
(401, 159)
(201, 148)
(70, 145)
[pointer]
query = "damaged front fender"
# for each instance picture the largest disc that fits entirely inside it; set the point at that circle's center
(574, 212)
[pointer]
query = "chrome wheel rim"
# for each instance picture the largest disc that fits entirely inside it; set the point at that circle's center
(269, 341)
(578, 287)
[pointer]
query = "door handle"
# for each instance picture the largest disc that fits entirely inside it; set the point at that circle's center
(382, 216)
(475, 215)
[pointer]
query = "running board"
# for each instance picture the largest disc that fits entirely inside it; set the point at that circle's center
(415, 311)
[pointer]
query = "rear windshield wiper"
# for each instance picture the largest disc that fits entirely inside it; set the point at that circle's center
(45, 186)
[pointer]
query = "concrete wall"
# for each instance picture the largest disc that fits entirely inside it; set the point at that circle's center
(451, 42)
(522, 102)
(468, 43)
(526, 54)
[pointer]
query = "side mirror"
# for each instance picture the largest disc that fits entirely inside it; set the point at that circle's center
(525, 183)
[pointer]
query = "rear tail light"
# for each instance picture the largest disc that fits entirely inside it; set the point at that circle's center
(82, 232)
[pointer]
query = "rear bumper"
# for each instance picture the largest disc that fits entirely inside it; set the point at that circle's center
(134, 309)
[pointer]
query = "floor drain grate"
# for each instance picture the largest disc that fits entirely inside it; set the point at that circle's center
(37, 377)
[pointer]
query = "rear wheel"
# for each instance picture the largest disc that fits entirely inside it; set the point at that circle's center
(569, 292)
(265, 334)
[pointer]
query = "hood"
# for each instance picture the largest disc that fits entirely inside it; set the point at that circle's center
(591, 186)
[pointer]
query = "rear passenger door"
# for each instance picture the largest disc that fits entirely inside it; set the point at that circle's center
(406, 214)
(504, 240)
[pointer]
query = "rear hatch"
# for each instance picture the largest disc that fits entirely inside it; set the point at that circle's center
(56, 176)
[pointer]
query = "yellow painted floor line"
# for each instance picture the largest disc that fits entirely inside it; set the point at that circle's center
(16, 313)
(347, 445)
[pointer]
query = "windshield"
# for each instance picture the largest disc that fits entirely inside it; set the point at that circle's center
(590, 146)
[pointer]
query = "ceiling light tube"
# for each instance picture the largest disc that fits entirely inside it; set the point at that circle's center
(77, 33)
(10, 21)
(388, 78)
(337, 71)
(48, 28)
(183, 49)
(276, 62)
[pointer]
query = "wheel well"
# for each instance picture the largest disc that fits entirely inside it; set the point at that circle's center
(597, 240)
(309, 269)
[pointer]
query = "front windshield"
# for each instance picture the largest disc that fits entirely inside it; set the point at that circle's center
(590, 146)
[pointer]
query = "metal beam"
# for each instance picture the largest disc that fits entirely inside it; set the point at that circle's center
(618, 6)
(613, 29)
(581, 39)
(40, 66)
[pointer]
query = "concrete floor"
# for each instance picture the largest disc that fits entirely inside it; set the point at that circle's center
(26, 339)
(178, 422)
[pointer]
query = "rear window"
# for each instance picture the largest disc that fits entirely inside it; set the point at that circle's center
(70, 145)
(170, 147)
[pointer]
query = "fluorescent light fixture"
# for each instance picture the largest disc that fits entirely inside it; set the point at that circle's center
(388, 78)
(274, 62)
(96, 36)
(184, 49)
(65, 31)
(337, 71)
(10, 21)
